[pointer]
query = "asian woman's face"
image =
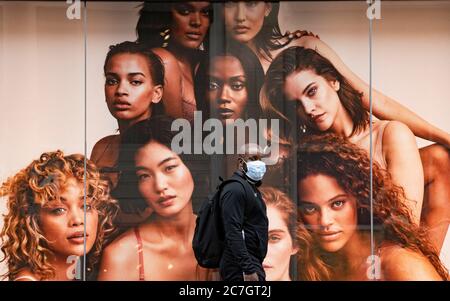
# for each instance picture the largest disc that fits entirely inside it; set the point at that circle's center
(318, 104)
(190, 23)
(129, 88)
(245, 19)
(280, 247)
(328, 211)
(163, 180)
(227, 89)
(62, 221)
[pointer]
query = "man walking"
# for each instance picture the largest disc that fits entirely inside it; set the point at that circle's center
(245, 222)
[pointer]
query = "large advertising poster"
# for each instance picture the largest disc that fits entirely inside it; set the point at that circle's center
(256, 140)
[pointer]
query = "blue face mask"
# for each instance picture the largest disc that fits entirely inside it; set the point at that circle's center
(256, 170)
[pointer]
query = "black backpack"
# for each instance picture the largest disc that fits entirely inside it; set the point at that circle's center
(209, 236)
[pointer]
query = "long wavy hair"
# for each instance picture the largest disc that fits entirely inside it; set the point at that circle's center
(301, 238)
(338, 158)
(23, 242)
(296, 59)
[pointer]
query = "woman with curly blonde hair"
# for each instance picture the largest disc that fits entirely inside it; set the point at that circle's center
(48, 224)
(288, 239)
(334, 191)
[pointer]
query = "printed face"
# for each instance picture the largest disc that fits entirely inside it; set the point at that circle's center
(280, 247)
(62, 221)
(129, 88)
(328, 211)
(190, 23)
(163, 180)
(318, 102)
(227, 90)
(244, 19)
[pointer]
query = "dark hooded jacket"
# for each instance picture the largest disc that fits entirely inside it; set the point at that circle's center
(244, 217)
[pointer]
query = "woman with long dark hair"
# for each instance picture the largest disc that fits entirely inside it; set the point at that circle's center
(177, 32)
(227, 84)
(152, 175)
(326, 101)
(334, 194)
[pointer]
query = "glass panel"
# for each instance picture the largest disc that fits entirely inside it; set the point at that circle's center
(217, 70)
(42, 92)
(410, 46)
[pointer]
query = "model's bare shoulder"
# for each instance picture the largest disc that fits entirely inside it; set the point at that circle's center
(168, 59)
(397, 130)
(101, 146)
(398, 140)
(404, 264)
(124, 244)
(26, 275)
(120, 259)
(163, 53)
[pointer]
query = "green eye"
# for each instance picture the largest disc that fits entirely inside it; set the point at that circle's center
(338, 204)
(274, 238)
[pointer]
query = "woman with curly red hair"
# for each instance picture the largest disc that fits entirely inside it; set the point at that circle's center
(334, 191)
(51, 219)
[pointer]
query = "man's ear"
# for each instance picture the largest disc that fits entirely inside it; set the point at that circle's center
(157, 93)
(268, 9)
(242, 164)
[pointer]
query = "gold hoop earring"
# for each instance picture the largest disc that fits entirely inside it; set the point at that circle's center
(166, 36)
(303, 129)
